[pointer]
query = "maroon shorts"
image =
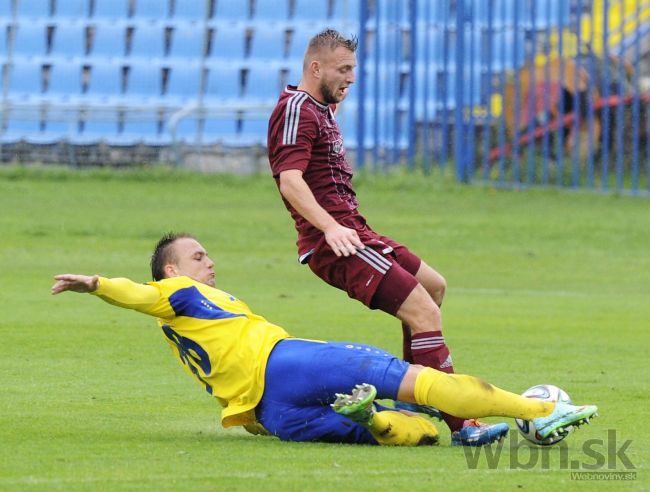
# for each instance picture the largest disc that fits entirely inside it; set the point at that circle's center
(381, 276)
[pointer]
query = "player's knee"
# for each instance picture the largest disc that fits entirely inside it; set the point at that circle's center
(420, 312)
(434, 283)
(438, 290)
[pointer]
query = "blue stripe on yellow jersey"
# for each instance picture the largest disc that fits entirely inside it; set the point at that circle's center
(219, 341)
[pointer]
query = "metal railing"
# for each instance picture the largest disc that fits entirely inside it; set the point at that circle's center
(514, 93)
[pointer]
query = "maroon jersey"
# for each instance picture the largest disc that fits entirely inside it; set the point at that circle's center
(304, 135)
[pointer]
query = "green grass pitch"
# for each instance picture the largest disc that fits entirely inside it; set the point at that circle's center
(545, 286)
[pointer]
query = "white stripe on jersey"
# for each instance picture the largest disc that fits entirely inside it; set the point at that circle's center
(292, 117)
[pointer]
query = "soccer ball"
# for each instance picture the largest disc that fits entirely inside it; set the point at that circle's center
(546, 392)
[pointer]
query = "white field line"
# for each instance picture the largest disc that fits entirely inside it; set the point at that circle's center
(524, 292)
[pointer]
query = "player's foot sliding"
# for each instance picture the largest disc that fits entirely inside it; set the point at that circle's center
(564, 418)
(388, 427)
(477, 433)
(358, 405)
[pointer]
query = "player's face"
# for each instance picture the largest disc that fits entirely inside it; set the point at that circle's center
(337, 74)
(192, 261)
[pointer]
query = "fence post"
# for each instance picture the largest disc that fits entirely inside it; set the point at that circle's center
(459, 124)
(361, 113)
(412, 85)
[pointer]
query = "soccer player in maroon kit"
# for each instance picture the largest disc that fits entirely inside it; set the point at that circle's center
(308, 162)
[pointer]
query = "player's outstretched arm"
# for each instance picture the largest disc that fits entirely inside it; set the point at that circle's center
(75, 283)
(120, 292)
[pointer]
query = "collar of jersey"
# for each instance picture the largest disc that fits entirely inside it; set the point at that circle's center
(294, 90)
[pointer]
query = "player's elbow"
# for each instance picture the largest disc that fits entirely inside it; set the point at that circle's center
(289, 184)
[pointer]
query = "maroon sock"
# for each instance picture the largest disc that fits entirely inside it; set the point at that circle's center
(406, 343)
(429, 349)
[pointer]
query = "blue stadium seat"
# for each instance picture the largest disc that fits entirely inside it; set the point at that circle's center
(223, 84)
(268, 43)
(6, 10)
(30, 39)
(191, 10)
(311, 10)
(65, 82)
(69, 40)
(111, 9)
(4, 37)
(153, 9)
(109, 40)
(227, 11)
(183, 84)
(58, 127)
(148, 41)
(97, 127)
(144, 83)
(32, 8)
(22, 126)
(141, 127)
(228, 41)
(262, 84)
(299, 40)
(219, 130)
(74, 9)
(254, 131)
(105, 82)
(271, 10)
(293, 75)
(187, 42)
(26, 80)
(349, 10)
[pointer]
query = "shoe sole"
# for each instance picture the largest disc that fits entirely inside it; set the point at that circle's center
(565, 428)
(361, 397)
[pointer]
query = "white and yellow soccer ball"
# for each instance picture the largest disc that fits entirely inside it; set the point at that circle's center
(546, 392)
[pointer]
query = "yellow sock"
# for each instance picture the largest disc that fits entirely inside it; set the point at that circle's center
(392, 428)
(470, 397)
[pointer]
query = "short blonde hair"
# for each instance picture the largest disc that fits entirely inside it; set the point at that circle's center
(329, 39)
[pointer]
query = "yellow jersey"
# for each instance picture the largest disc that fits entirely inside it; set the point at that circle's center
(216, 337)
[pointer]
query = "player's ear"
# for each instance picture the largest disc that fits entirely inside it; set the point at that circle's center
(315, 68)
(170, 270)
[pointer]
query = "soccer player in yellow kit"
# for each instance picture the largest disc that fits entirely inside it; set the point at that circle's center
(263, 376)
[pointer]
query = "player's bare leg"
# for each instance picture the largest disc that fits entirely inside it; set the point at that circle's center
(428, 348)
(434, 283)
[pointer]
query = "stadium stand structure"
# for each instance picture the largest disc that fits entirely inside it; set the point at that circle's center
(167, 72)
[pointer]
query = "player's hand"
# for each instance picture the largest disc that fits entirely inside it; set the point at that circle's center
(343, 240)
(75, 283)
